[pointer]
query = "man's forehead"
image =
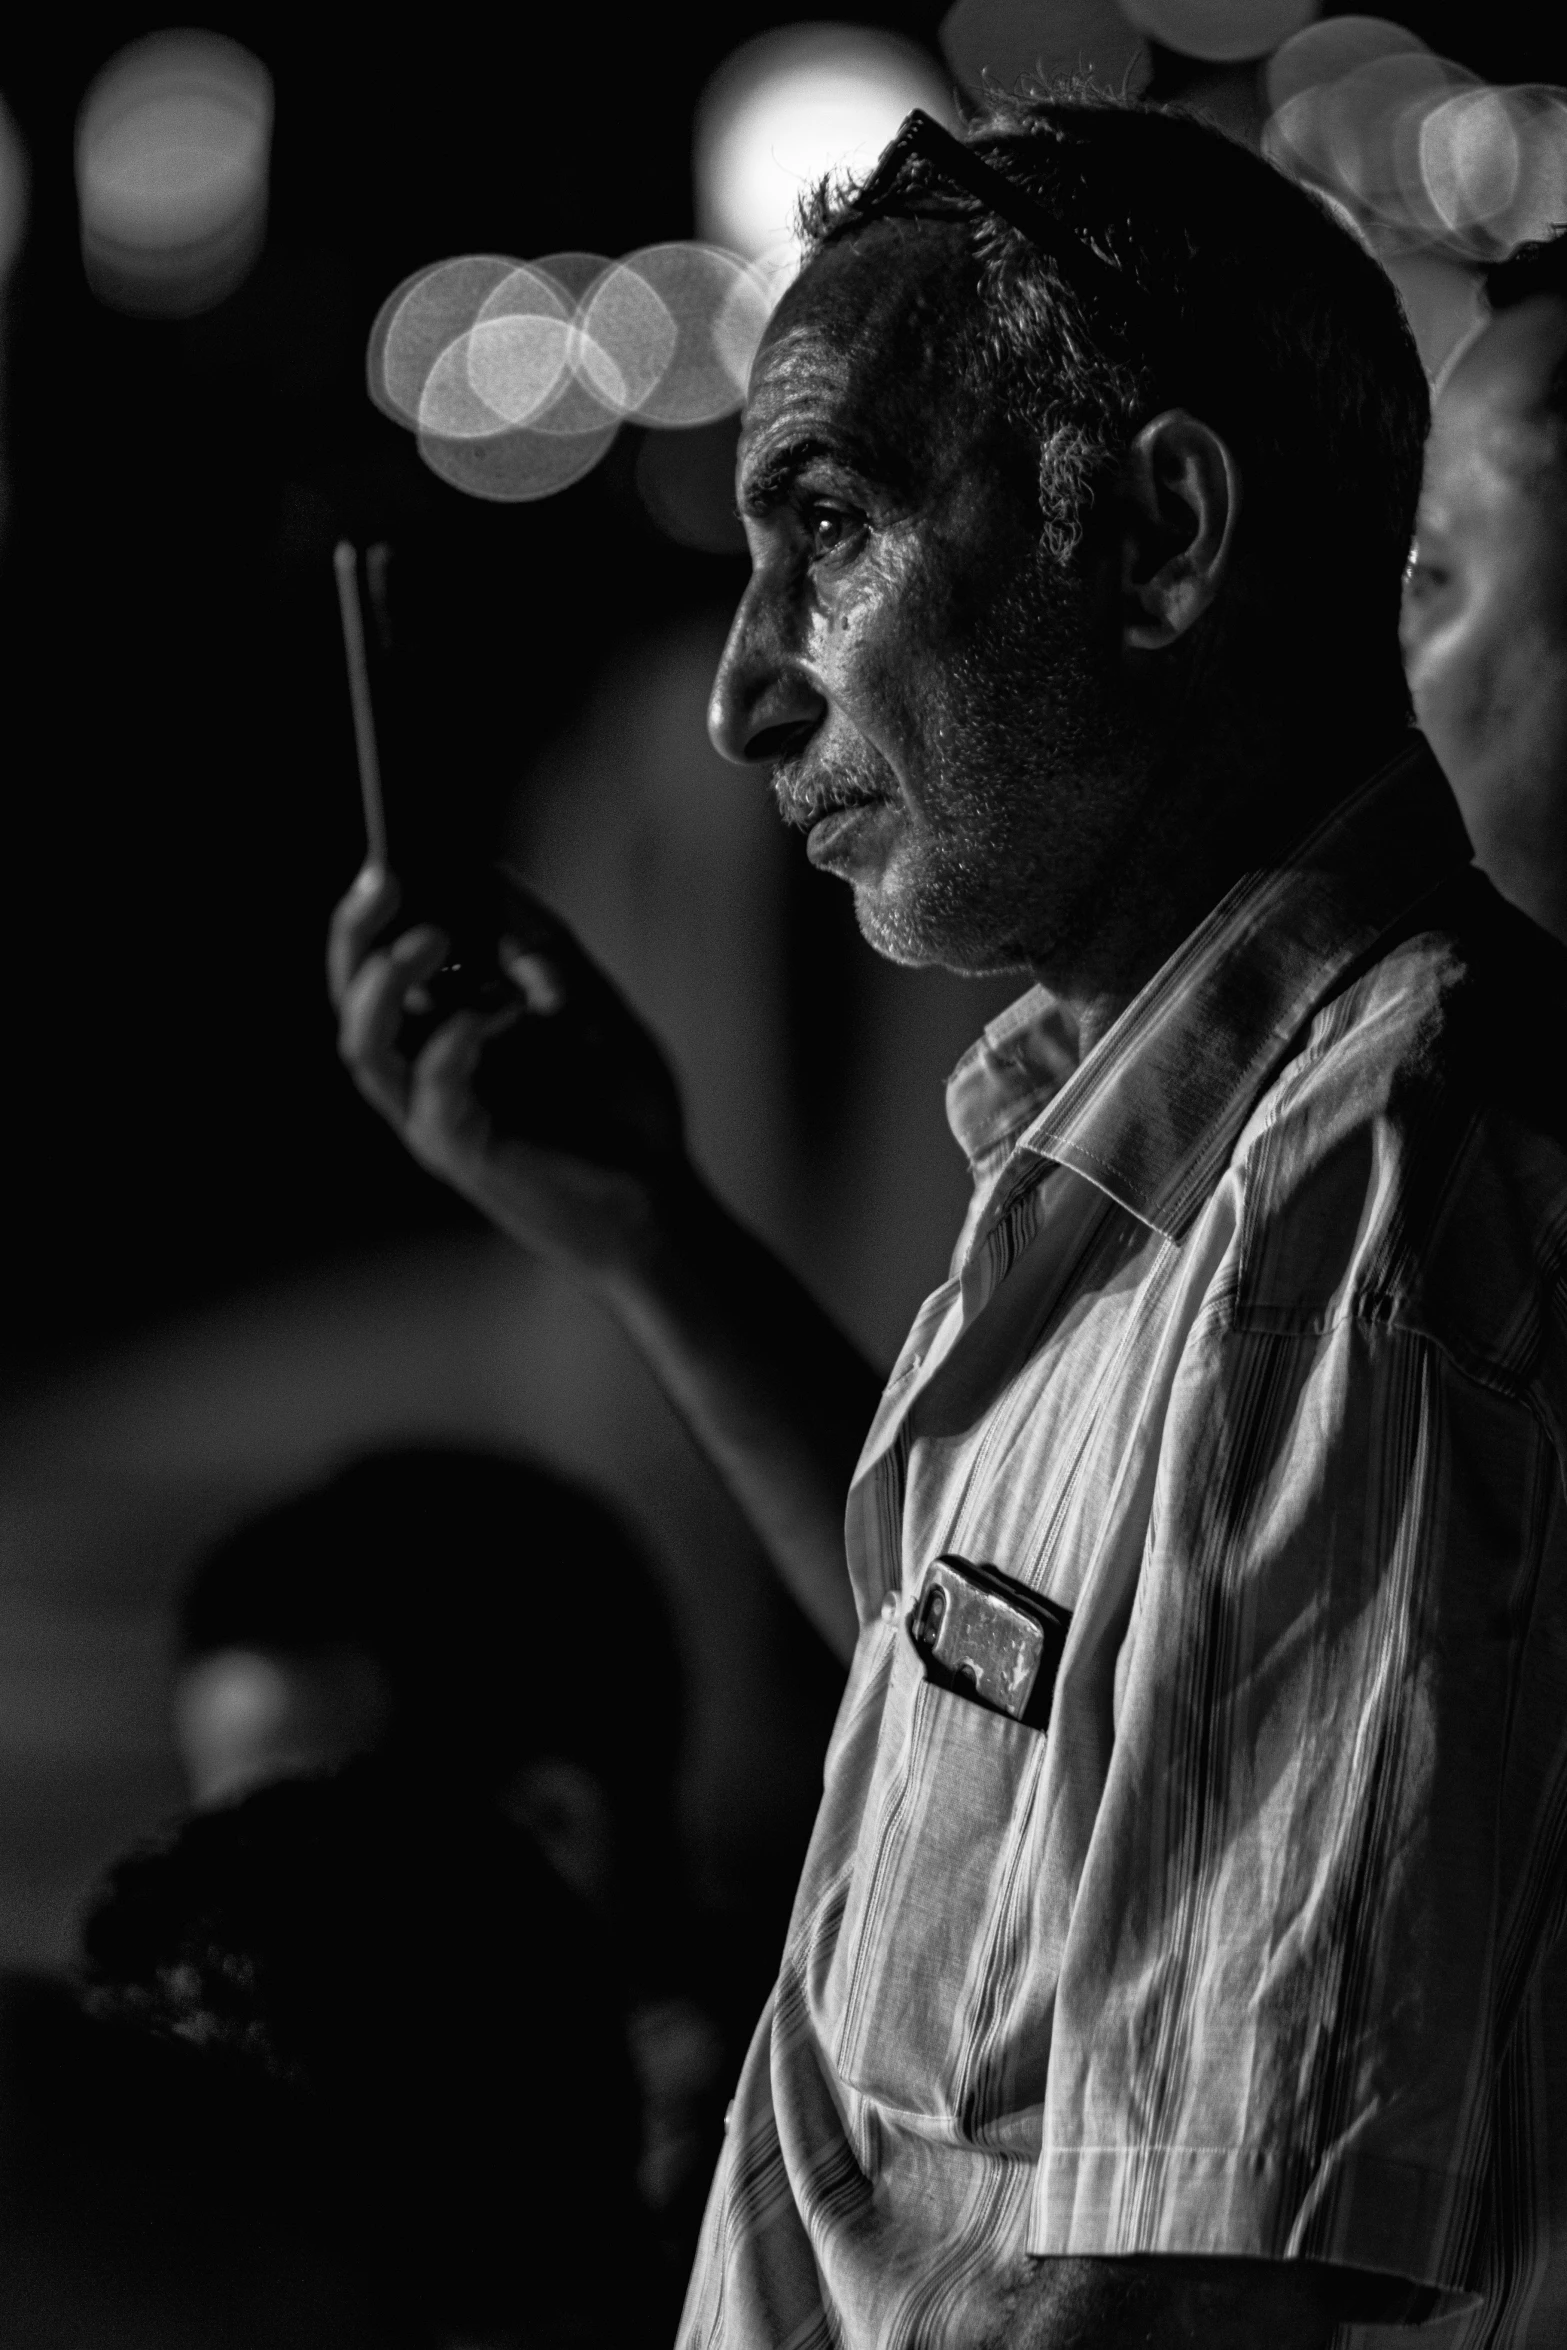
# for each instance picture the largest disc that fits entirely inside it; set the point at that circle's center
(862, 345)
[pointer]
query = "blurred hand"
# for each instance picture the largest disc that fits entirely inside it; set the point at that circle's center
(551, 1108)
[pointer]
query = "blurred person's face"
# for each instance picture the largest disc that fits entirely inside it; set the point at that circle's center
(245, 1717)
(1485, 604)
(938, 696)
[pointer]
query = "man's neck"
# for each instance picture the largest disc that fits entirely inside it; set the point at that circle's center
(1198, 828)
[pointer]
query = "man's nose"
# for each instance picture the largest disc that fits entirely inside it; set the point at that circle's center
(763, 705)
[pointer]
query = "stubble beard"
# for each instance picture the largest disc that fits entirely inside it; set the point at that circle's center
(1022, 750)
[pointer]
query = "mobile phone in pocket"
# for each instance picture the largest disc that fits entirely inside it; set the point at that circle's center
(984, 1636)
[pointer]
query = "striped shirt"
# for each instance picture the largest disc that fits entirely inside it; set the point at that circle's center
(1254, 1358)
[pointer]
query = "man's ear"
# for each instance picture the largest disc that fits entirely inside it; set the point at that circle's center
(1178, 497)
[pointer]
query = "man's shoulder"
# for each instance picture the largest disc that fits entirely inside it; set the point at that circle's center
(1408, 1166)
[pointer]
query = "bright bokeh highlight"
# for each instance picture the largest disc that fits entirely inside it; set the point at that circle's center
(629, 339)
(1001, 42)
(515, 376)
(1495, 160)
(516, 363)
(793, 105)
(575, 405)
(513, 468)
(417, 321)
(1435, 169)
(1325, 52)
(173, 146)
(688, 333)
(1223, 32)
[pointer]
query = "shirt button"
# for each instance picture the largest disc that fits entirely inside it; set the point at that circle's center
(890, 1606)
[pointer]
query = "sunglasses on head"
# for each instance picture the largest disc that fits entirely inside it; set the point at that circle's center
(948, 159)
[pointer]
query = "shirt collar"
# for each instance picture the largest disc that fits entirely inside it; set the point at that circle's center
(1024, 1057)
(1151, 1115)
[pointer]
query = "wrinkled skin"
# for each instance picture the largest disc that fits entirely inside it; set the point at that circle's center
(1485, 604)
(937, 696)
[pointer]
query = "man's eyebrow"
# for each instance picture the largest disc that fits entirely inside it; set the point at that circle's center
(768, 483)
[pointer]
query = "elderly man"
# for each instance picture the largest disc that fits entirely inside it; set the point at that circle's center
(1485, 603)
(1175, 1959)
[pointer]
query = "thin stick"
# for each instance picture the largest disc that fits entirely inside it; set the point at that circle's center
(378, 564)
(345, 562)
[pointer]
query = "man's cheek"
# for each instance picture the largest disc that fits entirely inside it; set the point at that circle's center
(1472, 682)
(1447, 686)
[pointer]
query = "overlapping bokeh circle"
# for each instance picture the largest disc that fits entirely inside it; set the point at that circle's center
(516, 375)
(1422, 151)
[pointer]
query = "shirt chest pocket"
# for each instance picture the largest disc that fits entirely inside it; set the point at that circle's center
(936, 2000)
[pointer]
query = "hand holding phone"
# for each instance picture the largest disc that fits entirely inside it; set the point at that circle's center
(559, 1060)
(463, 903)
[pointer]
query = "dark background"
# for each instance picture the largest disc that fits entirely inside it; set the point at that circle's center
(220, 1270)
(180, 804)
(179, 807)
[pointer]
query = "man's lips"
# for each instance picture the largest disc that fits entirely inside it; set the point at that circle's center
(806, 809)
(834, 828)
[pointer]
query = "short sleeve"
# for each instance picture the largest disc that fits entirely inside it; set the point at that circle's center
(1296, 1979)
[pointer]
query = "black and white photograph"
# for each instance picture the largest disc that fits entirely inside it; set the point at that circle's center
(783, 1368)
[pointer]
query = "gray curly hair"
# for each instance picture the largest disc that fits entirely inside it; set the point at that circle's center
(1247, 303)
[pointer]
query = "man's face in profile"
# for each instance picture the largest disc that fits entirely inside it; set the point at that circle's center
(1485, 605)
(933, 687)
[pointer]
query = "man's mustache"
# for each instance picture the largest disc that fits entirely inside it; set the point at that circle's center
(807, 789)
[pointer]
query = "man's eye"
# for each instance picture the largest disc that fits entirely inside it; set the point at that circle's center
(1423, 578)
(828, 527)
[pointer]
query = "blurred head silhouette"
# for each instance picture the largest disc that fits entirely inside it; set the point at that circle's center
(487, 1625)
(428, 2009)
(1485, 600)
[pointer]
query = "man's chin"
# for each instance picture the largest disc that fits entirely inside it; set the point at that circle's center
(917, 938)
(901, 908)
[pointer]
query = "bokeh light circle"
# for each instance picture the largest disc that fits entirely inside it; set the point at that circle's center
(558, 286)
(516, 363)
(450, 409)
(1371, 120)
(1470, 157)
(629, 338)
(505, 411)
(513, 468)
(1423, 153)
(419, 319)
(516, 375)
(1327, 51)
(742, 321)
(1494, 164)
(173, 147)
(1222, 32)
(1435, 170)
(792, 105)
(711, 305)
(1539, 206)
(996, 43)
